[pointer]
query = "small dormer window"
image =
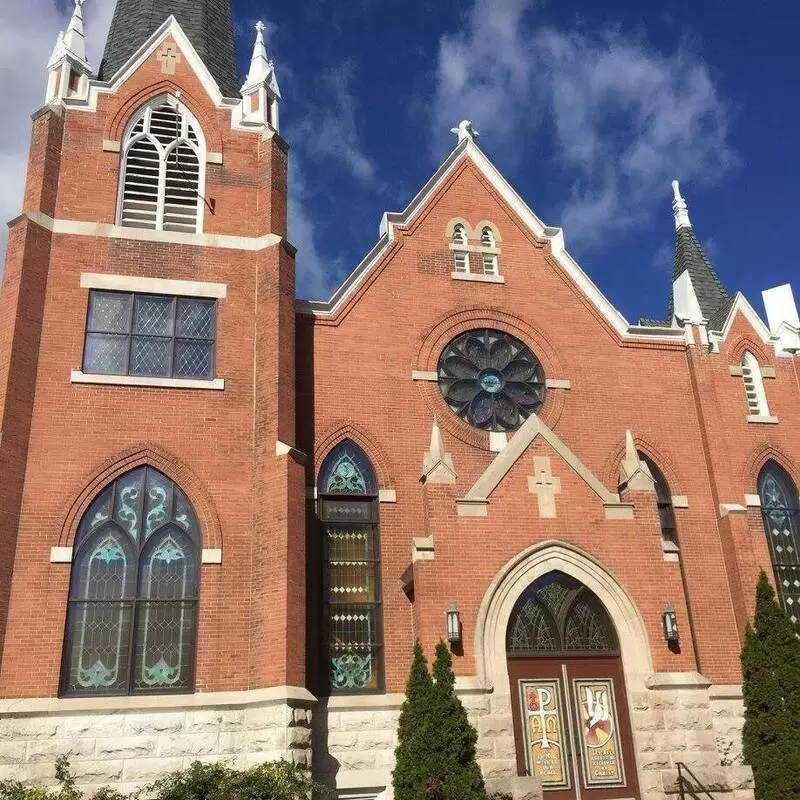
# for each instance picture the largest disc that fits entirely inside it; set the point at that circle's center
(162, 169)
(754, 386)
(489, 255)
(461, 257)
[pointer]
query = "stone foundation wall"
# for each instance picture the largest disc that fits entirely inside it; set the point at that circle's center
(128, 747)
(678, 717)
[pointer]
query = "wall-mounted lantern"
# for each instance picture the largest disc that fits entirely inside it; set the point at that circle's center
(453, 624)
(670, 621)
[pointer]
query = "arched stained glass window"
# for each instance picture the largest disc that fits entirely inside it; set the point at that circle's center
(133, 592)
(346, 470)
(557, 614)
(780, 509)
(348, 509)
(666, 512)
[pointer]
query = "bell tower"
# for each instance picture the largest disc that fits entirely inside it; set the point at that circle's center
(147, 320)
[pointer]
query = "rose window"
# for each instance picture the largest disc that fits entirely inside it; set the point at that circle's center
(491, 380)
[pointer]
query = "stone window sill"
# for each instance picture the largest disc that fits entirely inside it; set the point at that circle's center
(474, 276)
(159, 383)
(757, 419)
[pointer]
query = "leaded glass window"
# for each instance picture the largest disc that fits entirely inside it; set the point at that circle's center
(348, 509)
(557, 614)
(150, 335)
(491, 379)
(780, 509)
(131, 623)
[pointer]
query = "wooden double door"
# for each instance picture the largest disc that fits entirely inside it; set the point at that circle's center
(572, 727)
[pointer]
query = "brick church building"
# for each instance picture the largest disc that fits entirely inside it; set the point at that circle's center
(226, 515)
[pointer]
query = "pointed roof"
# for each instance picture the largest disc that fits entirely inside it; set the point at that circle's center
(262, 69)
(712, 296)
(207, 23)
(71, 43)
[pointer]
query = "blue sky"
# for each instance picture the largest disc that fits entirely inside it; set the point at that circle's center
(588, 109)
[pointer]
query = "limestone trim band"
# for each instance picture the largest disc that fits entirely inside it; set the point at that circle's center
(135, 283)
(108, 231)
(275, 695)
(63, 555)
(77, 376)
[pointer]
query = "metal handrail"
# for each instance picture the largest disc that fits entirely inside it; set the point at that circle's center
(685, 787)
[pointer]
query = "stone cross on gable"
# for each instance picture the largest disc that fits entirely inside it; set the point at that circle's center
(543, 484)
(260, 27)
(169, 56)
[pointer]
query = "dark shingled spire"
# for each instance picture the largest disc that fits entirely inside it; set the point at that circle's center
(712, 296)
(207, 23)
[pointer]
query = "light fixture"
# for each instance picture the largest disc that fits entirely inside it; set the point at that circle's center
(453, 624)
(670, 621)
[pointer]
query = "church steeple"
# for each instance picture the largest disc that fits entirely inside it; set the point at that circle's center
(697, 291)
(207, 23)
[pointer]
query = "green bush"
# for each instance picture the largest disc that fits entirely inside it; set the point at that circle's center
(771, 690)
(277, 780)
(436, 743)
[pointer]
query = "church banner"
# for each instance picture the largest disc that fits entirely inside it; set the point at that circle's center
(543, 720)
(601, 753)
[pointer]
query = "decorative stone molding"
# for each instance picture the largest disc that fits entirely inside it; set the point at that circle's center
(555, 383)
(545, 486)
(477, 277)
(437, 465)
(387, 495)
(762, 420)
(135, 283)
(211, 555)
(752, 501)
(730, 508)
(633, 472)
(421, 375)
(60, 555)
(497, 441)
(78, 376)
(680, 501)
(422, 548)
(478, 495)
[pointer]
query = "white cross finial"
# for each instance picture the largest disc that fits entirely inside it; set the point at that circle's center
(261, 68)
(260, 28)
(679, 208)
(465, 130)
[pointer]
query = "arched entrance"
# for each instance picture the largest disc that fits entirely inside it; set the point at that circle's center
(570, 710)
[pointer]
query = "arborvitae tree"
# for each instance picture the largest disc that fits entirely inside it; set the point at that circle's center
(771, 690)
(458, 771)
(412, 768)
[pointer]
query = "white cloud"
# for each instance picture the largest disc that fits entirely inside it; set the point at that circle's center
(328, 129)
(314, 272)
(28, 30)
(624, 117)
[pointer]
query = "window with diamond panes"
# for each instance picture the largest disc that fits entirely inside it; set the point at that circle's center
(780, 510)
(132, 616)
(150, 335)
(348, 509)
(557, 615)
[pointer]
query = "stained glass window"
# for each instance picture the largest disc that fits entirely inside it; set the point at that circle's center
(491, 379)
(780, 510)
(150, 335)
(348, 508)
(557, 614)
(131, 621)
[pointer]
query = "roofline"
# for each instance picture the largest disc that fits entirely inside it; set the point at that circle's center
(555, 236)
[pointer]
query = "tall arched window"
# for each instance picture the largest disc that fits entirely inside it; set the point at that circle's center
(461, 257)
(489, 256)
(162, 170)
(754, 386)
(780, 510)
(348, 509)
(666, 512)
(131, 622)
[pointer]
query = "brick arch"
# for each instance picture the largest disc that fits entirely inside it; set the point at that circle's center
(451, 226)
(760, 456)
(346, 430)
(145, 454)
(664, 463)
(737, 350)
(485, 223)
(432, 341)
(116, 122)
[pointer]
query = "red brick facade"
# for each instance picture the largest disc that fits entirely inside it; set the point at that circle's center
(300, 380)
